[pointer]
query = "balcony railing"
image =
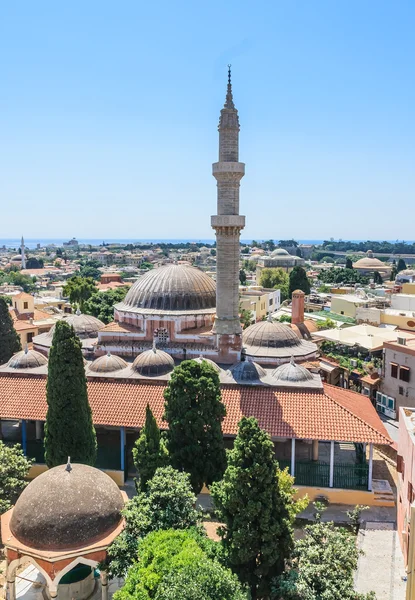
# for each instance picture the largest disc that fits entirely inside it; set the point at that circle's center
(317, 474)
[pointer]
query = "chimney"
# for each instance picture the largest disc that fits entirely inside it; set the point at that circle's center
(297, 307)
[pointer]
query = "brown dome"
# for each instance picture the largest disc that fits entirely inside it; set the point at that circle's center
(64, 509)
(369, 262)
(108, 364)
(153, 362)
(27, 359)
(172, 288)
(267, 334)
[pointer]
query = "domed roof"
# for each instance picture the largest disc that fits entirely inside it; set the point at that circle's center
(27, 359)
(67, 507)
(153, 362)
(268, 334)
(16, 258)
(280, 252)
(246, 371)
(172, 288)
(291, 373)
(85, 326)
(201, 359)
(369, 262)
(108, 364)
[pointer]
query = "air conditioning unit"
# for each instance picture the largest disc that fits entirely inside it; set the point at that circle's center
(401, 340)
(353, 362)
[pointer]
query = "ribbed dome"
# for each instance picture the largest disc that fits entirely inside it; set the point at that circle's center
(246, 371)
(369, 262)
(153, 362)
(291, 373)
(108, 364)
(172, 287)
(267, 334)
(64, 509)
(85, 326)
(202, 359)
(280, 252)
(27, 359)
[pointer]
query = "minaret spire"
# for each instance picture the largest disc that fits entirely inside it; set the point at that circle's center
(228, 224)
(22, 254)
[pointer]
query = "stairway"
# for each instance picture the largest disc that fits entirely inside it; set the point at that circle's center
(383, 493)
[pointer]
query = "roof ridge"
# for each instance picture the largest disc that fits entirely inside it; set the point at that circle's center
(352, 413)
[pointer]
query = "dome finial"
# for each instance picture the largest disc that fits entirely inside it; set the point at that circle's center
(269, 318)
(154, 348)
(68, 465)
(26, 348)
(292, 361)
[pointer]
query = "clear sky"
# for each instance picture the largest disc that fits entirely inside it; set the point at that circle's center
(109, 109)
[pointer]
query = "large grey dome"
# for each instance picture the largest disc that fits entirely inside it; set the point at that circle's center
(154, 362)
(267, 334)
(172, 288)
(63, 509)
(202, 359)
(27, 359)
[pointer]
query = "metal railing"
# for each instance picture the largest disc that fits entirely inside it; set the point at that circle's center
(317, 474)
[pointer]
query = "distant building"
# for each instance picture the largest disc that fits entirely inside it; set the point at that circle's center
(398, 382)
(260, 301)
(72, 242)
(370, 264)
(280, 258)
(406, 486)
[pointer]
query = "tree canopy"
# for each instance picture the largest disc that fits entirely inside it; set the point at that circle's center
(34, 263)
(401, 266)
(345, 276)
(150, 451)
(101, 304)
(14, 467)
(9, 339)
(275, 278)
(79, 289)
(68, 430)
(257, 535)
(298, 281)
(194, 412)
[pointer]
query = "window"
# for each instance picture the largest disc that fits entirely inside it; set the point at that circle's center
(391, 403)
(404, 374)
(161, 335)
(401, 390)
(29, 337)
(399, 463)
(410, 492)
(25, 305)
(394, 370)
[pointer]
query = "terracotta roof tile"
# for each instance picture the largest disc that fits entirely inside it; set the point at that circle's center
(334, 414)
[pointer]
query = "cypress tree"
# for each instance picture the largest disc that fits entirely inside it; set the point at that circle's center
(194, 412)
(69, 430)
(150, 451)
(255, 509)
(298, 281)
(9, 339)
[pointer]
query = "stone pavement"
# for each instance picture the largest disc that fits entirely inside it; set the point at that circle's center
(381, 567)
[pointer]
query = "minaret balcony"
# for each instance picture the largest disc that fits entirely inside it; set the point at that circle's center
(218, 221)
(228, 167)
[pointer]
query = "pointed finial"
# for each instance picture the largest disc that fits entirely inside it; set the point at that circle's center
(154, 345)
(229, 74)
(68, 465)
(78, 312)
(269, 318)
(292, 361)
(26, 349)
(229, 98)
(108, 354)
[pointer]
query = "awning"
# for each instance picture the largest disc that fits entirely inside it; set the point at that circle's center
(328, 367)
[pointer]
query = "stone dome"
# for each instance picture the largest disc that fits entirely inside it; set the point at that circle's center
(16, 258)
(291, 373)
(154, 362)
(172, 288)
(268, 334)
(109, 363)
(201, 359)
(246, 371)
(280, 252)
(27, 359)
(67, 507)
(85, 326)
(369, 262)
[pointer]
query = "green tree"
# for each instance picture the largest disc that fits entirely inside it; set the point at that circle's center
(276, 279)
(90, 270)
(14, 467)
(401, 266)
(349, 263)
(242, 277)
(326, 324)
(9, 339)
(245, 317)
(101, 304)
(377, 277)
(69, 430)
(257, 535)
(150, 451)
(298, 281)
(79, 290)
(344, 276)
(322, 566)
(327, 259)
(284, 319)
(177, 565)
(194, 412)
(168, 503)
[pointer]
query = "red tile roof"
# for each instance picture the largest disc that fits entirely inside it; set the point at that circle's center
(334, 414)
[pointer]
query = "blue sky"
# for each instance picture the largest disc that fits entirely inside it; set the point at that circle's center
(108, 116)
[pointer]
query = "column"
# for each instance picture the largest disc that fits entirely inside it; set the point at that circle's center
(11, 588)
(104, 585)
(370, 474)
(24, 437)
(292, 471)
(315, 449)
(331, 464)
(122, 446)
(38, 430)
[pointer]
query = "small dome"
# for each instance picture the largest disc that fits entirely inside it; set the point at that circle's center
(27, 359)
(246, 371)
(108, 364)
(268, 334)
(67, 508)
(291, 373)
(154, 362)
(200, 359)
(171, 288)
(369, 262)
(85, 326)
(280, 252)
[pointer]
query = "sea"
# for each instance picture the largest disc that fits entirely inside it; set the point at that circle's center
(43, 242)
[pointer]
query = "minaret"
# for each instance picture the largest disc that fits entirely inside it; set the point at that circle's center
(228, 224)
(23, 254)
